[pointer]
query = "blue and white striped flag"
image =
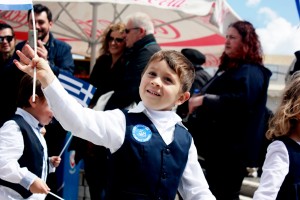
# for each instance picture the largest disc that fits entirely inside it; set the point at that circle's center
(15, 4)
(81, 90)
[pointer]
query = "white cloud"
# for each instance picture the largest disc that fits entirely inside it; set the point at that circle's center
(278, 37)
(252, 2)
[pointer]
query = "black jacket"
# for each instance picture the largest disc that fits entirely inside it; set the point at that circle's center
(232, 113)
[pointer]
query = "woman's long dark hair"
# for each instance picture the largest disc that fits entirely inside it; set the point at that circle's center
(252, 51)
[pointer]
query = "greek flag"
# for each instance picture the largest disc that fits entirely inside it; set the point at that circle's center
(82, 91)
(15, 4)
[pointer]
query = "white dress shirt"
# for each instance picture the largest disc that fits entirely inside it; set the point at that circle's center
(108, 129)
(11, 149)
(275, 168)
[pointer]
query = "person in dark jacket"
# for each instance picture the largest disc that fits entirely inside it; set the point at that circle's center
(280, 178)
(141, 46)
(8, 82)
(201, 78)
(230, 110)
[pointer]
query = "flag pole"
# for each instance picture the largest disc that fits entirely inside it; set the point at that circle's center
(35, 53)
(69, 139)
(56, 196)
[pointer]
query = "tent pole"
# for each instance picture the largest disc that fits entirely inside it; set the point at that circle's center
(93, 40)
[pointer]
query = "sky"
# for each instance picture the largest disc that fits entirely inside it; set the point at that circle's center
(276, 21)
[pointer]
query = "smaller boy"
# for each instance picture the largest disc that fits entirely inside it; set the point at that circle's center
(24, 163)
(152, 153)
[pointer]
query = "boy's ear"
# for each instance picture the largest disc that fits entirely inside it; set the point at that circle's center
(33, 104)
(183, 97)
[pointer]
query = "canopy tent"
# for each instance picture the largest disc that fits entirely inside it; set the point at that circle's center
(198, 24)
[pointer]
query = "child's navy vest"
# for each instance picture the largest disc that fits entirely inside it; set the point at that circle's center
(145, 167)
(290, 188)
(32, 157)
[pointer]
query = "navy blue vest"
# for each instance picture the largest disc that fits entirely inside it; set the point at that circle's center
(32, 157)
(290, 188)
(145, 167)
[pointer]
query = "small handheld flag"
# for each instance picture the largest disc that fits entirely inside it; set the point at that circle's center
(82, 91)
(22, 5)
(15, 4)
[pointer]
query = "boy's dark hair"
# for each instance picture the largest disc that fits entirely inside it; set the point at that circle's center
(25, 91)
(179, 63)
(39, 8)
(5, 25)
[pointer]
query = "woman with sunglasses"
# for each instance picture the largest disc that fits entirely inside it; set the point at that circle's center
(109, 68)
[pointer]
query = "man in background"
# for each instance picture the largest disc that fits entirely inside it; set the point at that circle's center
(8, 83)
(56, 52)
(141, 45)
(7, 43)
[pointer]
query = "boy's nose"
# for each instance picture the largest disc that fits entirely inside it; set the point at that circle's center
(156, 82)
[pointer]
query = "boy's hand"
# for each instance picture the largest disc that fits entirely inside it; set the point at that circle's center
(55, 160)
(39, 186)
(43, 71)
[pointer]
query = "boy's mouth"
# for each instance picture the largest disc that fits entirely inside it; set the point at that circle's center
(152, 92)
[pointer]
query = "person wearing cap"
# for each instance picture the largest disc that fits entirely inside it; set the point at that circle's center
(197, 59)
(201, 78)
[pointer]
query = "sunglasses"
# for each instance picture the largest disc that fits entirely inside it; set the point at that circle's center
(116, 40)
(8, 38)
(127, 30)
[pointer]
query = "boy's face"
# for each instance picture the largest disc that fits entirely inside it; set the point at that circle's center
(43, 113)
(160, 87)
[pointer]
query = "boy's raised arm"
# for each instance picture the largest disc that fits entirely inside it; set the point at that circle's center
(43, 71)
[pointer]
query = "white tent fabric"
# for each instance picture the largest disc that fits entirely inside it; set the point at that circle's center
(198, 24)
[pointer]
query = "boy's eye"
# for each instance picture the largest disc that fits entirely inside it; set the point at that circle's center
(169, 80)
(152, 73)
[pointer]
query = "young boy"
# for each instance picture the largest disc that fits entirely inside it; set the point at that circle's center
(152, 154)
(23, 150)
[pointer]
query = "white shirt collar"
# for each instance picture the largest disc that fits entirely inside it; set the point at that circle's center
(32, 121)
(161, 119)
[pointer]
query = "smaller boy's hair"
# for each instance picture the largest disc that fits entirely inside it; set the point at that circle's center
(25, 91)
(178, 63)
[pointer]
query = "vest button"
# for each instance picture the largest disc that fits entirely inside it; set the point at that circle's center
(164, 175)
(168, 151)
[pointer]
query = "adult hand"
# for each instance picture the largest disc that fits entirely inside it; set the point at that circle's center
(195, 102)
(43, 71)
(55, 160)
(42, 52)
(39, 186)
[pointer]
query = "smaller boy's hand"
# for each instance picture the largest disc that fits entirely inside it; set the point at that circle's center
(39, 186)
(55, 160)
